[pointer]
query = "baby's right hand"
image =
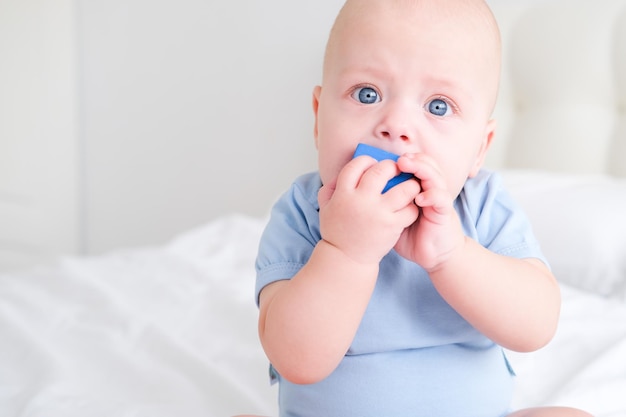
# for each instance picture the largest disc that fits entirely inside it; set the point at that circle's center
(357, 218)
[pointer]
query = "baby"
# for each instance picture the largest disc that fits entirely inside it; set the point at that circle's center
(399, 303)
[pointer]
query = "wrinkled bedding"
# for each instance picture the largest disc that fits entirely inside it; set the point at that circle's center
(171, 331)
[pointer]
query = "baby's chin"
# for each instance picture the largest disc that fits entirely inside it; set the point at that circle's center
(332, 183)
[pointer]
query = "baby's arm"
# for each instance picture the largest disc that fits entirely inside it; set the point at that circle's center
(514, 302)
(307, 324)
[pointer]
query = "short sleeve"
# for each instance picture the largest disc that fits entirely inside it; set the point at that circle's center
(291, 233)
(491, 217)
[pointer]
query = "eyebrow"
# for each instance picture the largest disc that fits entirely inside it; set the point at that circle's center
(459, 88)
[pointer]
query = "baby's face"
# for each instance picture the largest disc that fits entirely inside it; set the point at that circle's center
(408, 81)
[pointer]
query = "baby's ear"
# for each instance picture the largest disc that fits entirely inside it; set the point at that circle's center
(490, 132)
(317, 90)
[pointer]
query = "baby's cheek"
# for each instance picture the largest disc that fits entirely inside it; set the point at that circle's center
(329, 173)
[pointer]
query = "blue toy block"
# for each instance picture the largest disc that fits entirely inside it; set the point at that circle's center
(380, 155)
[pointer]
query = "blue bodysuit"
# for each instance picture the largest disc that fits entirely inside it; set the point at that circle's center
(413, 355)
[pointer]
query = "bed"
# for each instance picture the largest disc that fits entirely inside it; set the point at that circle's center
(170, 329)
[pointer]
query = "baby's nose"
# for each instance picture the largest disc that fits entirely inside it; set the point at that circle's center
(398, 122)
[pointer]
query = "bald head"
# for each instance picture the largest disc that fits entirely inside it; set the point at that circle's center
(442, 22)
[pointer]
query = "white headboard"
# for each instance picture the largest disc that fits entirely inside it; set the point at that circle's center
(562, 104)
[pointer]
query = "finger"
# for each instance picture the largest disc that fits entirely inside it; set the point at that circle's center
(402, 194)
(376, 177)
(350, 175)
(424, 168)
(408, 215)
(436, 198)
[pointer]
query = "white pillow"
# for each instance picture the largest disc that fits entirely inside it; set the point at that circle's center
(580, 221)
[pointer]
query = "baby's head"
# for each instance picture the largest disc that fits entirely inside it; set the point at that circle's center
(409, 76)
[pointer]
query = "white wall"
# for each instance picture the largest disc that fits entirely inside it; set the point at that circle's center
(182, 110)
(125, 122)
(39, 215)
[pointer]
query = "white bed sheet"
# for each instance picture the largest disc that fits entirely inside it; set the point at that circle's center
(171, 331)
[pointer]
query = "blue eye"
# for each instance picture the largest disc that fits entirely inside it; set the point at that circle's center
(438, 107)
(366, 95)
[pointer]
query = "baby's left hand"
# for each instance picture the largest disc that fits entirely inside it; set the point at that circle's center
(437, 232)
